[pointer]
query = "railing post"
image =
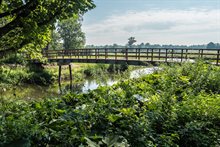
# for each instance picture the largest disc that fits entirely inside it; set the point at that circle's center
(136, 53)
(181, 55)
(147, 53)
(126, 54)
(87, 54)
(96, 53)
(159, 54)
(172, 54)
(186, 54)
(217, 57)
(116, 54)
(105, 53)
(90, 53)
(202, 54)
(78, 53)
(166, 56)
(63, 54)
(152, 55)
(139, 54)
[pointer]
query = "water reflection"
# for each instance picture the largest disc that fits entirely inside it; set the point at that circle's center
(30, 92)
(91, 84)
(76, 88)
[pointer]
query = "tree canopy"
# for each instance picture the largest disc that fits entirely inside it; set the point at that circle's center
(211, 45)
(71, 33)
(27, 23)
(131, 41)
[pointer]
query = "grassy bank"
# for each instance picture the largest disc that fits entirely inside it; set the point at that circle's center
(178, 106)
(15, 75)
(12, 74)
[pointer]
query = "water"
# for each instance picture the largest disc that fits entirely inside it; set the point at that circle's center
(30, 92)
(91, 85)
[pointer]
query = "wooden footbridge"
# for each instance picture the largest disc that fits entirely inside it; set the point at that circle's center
(130, 56)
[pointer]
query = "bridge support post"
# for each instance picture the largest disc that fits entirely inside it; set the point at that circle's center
(63, 62)
(71, 77)
(59, 77)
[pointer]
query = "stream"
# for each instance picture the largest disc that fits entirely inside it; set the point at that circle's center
(31, 92)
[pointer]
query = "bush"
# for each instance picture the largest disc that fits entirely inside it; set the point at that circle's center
(13, 59)
(117, 68)
(16, 76)
(95, 70)
(12, 76)
(172, 107)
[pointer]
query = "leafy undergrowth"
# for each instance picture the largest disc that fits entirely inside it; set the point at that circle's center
(178, 106)
(17, 75)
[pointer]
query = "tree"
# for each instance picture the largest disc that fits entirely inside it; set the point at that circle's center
(71, 33)
(27, 23)
(141, 45)
(55, 43)
(218, 45)
(210, 45)
(131, 41)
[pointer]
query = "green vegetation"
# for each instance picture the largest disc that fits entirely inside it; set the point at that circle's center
(177, 106)
(16, 58)
(28, 24)
(71, 33)
(103, 70)
(13, 74)
(17, 75)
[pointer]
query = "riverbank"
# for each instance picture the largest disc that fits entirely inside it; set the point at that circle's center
(176, 106)
(18, 81)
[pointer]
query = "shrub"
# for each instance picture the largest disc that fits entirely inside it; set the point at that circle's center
(172, 107)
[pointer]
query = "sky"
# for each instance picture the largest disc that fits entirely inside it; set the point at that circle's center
(180, 22)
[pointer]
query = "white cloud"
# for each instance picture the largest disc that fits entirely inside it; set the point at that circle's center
(157, 26)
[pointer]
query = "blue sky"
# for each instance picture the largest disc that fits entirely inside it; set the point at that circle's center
(155, 21)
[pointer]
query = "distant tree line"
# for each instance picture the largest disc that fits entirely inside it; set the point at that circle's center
(210, 45)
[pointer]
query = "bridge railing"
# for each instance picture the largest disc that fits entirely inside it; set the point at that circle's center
(136, 54)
